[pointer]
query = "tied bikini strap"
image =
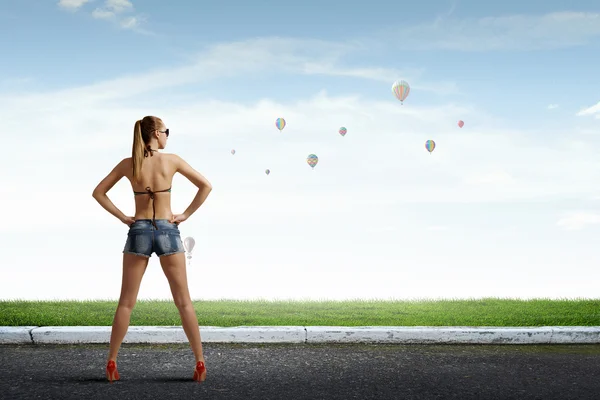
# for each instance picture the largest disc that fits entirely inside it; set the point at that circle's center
(149, 151)
(152, 193)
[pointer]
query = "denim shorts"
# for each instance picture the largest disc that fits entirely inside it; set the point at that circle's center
(143, 238)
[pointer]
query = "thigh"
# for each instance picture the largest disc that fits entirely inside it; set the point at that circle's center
(174, 268)
(134, 268)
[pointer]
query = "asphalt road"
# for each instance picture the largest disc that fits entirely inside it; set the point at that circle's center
(289, 372)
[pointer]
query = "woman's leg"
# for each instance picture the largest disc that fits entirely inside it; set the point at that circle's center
(133, 270)
(174, 268)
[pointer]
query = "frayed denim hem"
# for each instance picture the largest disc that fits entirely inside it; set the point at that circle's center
(174, 252)
(136, 254)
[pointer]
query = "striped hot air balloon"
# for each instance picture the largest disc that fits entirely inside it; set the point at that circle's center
(312, 160)
(430, 145)
(280, 124)
(401, 89)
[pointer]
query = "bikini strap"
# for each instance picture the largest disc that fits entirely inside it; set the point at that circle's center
(149, 150)
(151, 193)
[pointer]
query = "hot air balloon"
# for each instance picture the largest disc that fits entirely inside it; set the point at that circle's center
(280, 124)
(312, 160)
(401, 89)
(430, 145)
(267, 171)
(233, 151)
(461, 123)
(188, 244)
(343, 131)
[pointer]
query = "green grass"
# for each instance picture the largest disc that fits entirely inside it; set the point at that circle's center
(226, 313)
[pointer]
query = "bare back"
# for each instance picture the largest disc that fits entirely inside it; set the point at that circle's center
(157, 174)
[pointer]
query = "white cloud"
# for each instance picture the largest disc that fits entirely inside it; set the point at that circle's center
(72, 4)
(112, 8)
(369, 157)
(112, 11)
(552, 106)
(513, 32)
(119, 6)
(130, 22)
(296, 56)
(593, 110)
(357, 194)
(578, 220)
(380, 74)
(99, 13)
(485, 164)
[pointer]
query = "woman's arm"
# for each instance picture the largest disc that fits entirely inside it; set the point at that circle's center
(203, 185)
(105, 185)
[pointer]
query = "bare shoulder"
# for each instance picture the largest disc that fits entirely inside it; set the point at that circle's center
(172, 160)
(177, 161)
(172, 157)
(122, 169)
(186, 170)
(126, 165)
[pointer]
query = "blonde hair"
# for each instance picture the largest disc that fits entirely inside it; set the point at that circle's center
(142, 132)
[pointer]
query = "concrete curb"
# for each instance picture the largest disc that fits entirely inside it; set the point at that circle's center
(168, 334)
(308, 334)
(16, 334)
(453, 335)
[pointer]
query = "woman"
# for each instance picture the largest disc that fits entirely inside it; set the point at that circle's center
(154, 228)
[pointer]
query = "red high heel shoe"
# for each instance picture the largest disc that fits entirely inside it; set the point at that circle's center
(111, 372)
(200, 372)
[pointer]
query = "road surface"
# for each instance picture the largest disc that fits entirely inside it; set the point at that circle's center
(305, 371)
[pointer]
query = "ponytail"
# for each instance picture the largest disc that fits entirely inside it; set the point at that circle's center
(137, 153)
(141, 137)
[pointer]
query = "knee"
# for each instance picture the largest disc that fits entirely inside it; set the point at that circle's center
(126, 304)
(184, 304)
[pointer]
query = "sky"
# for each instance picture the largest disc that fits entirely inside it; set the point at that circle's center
(507, 206)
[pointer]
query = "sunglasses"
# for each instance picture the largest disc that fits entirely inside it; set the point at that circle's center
(165, 132)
